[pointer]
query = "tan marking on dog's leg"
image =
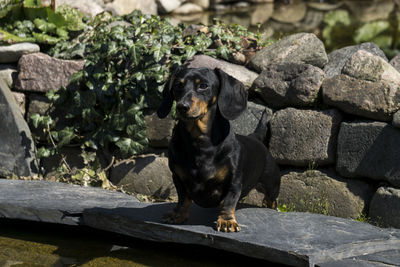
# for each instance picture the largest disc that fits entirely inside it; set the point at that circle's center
(180, 214)
(227, 222)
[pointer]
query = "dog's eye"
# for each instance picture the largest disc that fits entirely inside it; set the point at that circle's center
(203, 86)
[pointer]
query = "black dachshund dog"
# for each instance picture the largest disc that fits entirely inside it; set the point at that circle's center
(211, 165)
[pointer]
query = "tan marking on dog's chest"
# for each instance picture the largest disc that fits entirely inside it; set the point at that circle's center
(221, 173)
(198, 128)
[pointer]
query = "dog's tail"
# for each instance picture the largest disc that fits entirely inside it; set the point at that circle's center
(261, 130)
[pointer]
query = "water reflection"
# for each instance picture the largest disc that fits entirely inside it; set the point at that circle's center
(25, 243)
(337, 23)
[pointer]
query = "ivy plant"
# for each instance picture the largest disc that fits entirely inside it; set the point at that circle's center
(127, 61)
(30, 21)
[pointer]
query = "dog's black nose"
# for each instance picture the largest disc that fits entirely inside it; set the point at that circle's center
(182, 107)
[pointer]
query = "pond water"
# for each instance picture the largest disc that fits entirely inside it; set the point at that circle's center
(35, 244)
(337, 23)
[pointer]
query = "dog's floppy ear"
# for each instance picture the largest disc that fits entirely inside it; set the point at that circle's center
(232, 98)
(167, 100)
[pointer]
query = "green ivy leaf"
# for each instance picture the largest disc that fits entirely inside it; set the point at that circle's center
(65, 136)
(44, 152)
(128, 146)
(36, 119)
(224, 52)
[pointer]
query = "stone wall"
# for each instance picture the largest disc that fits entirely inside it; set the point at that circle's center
(334, 124)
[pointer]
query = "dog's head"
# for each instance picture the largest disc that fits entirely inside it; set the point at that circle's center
(195, 90)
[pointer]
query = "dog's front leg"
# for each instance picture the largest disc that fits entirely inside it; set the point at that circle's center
(181, 212)
(227, 220)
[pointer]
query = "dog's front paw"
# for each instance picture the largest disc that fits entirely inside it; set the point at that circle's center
(227, 225)
(174, 217)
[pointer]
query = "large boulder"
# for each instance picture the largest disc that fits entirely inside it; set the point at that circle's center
(339, 57)
(17, 149)
(303, 48)
(289, 84)
(241, 73)
(369, 150)
(365, 66)
(304, 137)
(374, 100)
(323, 192)
(41, 73)
(385, 207)
(12, 53)
(147, 175)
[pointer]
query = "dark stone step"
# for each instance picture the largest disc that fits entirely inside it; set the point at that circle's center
(297, 239)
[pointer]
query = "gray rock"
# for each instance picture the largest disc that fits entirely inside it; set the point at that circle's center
(369, 150)
(88, 7)
(17, 149)
(39, 104)
(303, 137)
(374, 100)
(312, 20)
(261, 13)
(146, 175)
(396, 119)
(365, 66)
(292, 13)
(322, 6)
(20, 100)
(395, 62)
(123, 7)
(241, 73)
(303, 48)
(188, 8)
(289, 84)
(41, 73)
(385, 207)
(325, 193)
(373, 11)
(339, 57)
(159, 131)
(296, 239)
(247, 122)
(12, 53)
(203, 3)
(53, 202)
(167, 6)
(7, 73)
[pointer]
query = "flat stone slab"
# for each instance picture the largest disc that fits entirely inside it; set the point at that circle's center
(12, 53)
(296, 239)
(55, 202)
